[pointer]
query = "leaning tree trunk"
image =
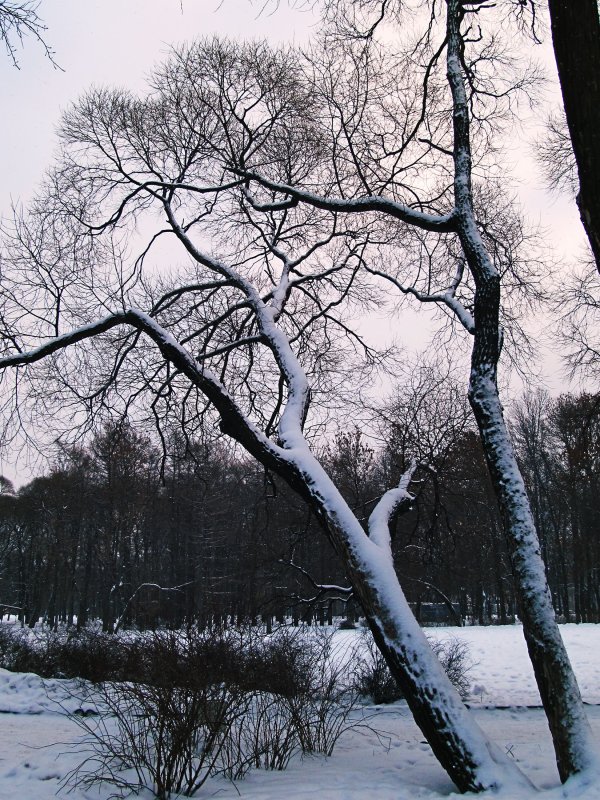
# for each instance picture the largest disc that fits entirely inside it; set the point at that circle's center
(576, 41)
(571, 733)
(470, 759)
(556, 681)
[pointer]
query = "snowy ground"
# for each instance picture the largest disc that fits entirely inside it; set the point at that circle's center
(37, 744)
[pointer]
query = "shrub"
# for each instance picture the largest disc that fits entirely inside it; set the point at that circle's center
(372, 676)
(88, 654)
(213, 702)
(455, 657)
(17, 651)
(373, 679)
(166, 738)
(322, 703)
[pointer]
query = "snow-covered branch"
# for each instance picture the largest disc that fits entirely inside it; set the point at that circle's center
(233, 421)
(157, 586)
(280, 205)
(379, 521)
(447, 298)
(442, 223)
(57, 343)
(295, 410)
(322, 588)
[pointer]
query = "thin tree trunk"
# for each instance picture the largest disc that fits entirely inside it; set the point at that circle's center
(558, 688)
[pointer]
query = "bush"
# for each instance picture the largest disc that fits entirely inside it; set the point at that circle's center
(88, 654)
(373, 679)
(455, 657)
(372, 676)
(17, 651)
(166, 738)
(213, 702)
(322, 704)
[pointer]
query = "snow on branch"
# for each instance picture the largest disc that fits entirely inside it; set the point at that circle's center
(379, 521)
(295, 411)
(323, 589)
(158, 587)
(447, 297)
(280, 205)
(233, 420)
(442, 223)
(57, 343)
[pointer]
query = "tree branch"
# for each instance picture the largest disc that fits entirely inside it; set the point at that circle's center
(379, 521)
(443, 223)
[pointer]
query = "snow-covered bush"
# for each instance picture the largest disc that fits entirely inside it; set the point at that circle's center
(17, 651)
(68, 653)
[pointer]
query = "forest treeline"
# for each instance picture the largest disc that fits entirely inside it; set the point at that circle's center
(133, 535)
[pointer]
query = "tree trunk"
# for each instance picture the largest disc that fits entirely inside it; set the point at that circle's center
(558, 688)
(576, 41)
(571, 732)
(471, 760)
(461, 747)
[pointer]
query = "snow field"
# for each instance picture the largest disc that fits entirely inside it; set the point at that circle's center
(38, 744)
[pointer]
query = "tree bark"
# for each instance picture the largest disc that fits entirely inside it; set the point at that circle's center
(576, 40)
(571, 732)
(473, 763)
(470, 759)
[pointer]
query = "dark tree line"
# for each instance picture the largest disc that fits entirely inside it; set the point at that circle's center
(115, 533)
(559, 443)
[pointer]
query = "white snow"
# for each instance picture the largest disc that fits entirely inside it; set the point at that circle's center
(503, 668)
(38, 742)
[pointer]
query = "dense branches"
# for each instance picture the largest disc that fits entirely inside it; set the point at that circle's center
(18, 20)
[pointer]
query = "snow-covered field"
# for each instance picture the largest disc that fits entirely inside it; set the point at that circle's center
(38, 743)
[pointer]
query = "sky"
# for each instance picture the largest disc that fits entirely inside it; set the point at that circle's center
(109, 42)
(117, 42)
(106, 42)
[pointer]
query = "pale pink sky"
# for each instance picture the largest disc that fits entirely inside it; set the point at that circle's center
(118, 41)
(109, 42)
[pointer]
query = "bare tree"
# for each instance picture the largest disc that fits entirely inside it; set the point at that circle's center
(579, 309)
(255, 330)
(555, 155)
(255, 327)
